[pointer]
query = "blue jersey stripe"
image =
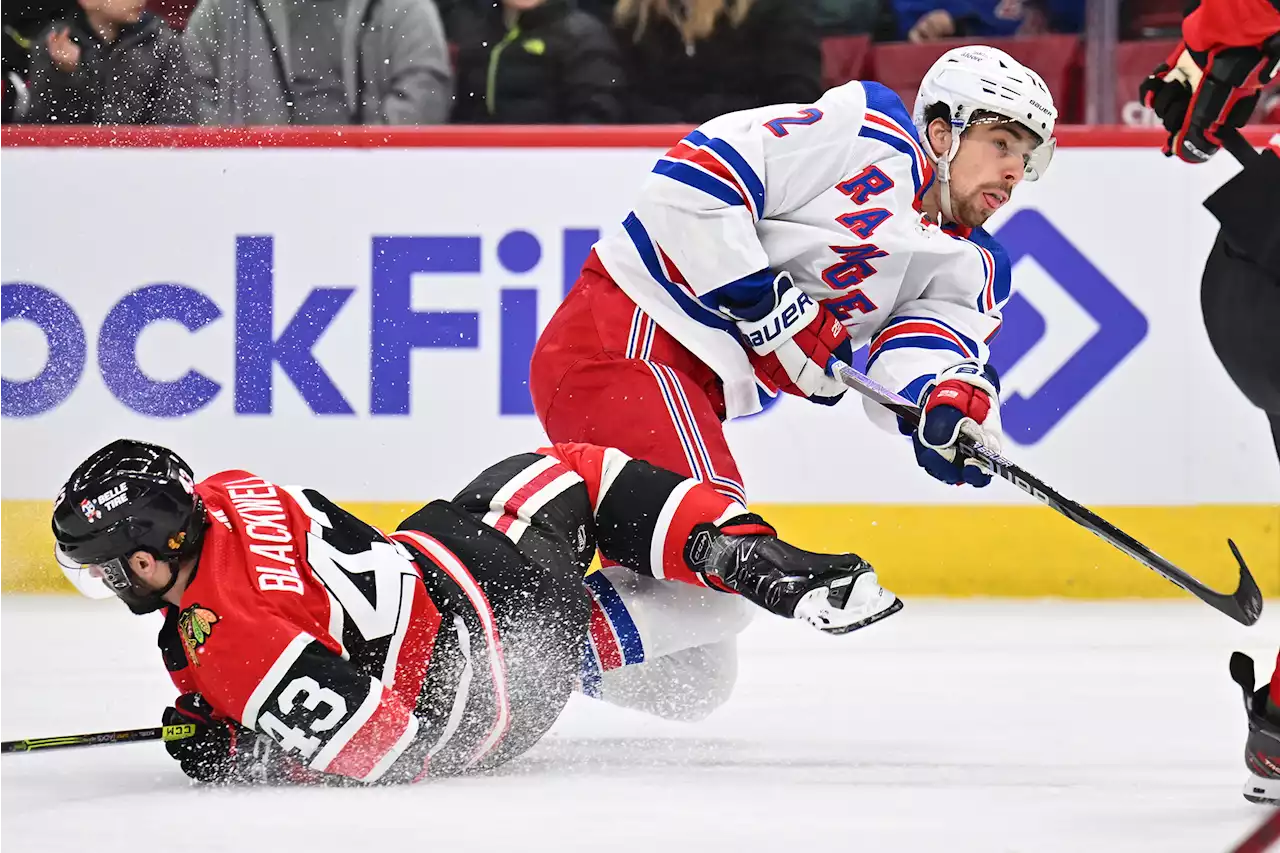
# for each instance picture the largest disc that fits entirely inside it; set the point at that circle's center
(590, 671)
(698, 179)
(915, 341)
(897, 142)
(737, 162)
(884, 100)
(986, 274)
(1004, 272)
(623, 625)
(695, 309)
(911, 318)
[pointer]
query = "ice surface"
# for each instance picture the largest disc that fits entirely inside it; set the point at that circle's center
(954, 726)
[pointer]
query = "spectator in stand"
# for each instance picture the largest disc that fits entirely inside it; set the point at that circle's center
(690, 60)
(599, 9)
(110, 62)
(319, 62)
(173, 12)
(534, 62)
(928, 20)
(847, 17)
(24, 21)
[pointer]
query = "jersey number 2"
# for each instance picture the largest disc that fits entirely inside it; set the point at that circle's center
(808, 116)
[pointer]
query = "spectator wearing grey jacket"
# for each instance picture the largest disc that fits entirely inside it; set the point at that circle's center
(319, 62)
(109, 63)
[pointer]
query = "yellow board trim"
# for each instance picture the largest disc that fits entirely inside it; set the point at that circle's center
(1016, 551)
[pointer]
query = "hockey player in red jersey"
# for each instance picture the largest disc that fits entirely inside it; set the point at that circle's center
(310, 646)
(769, 240)
(1230, 50)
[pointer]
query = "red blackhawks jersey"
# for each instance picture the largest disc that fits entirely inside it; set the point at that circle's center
(331, 670)
(1215, 24)
(434, 650)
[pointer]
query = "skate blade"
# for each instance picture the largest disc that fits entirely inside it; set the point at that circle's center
(1264, 792)
(877, 603)
(862, 623)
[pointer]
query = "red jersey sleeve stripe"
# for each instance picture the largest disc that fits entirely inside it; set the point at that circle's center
(518, 515)
(498, 505)
(706, 160)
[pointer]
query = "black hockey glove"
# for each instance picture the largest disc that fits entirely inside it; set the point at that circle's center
(1197, 93)
(221, 751)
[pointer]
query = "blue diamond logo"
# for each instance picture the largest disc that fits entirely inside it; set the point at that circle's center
(1121, 327)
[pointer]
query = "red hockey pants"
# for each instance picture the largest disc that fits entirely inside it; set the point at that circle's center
(604, 373)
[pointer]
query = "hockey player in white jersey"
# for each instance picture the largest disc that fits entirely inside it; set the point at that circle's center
(767, 241)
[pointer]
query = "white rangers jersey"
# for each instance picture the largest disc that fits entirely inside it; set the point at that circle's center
(831, 193)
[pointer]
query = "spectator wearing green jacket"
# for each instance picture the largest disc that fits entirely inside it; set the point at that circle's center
(534, 62)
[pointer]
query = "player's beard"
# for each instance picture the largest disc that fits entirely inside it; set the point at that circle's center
(970, 209)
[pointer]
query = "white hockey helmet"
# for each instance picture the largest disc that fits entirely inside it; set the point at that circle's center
(977, 79)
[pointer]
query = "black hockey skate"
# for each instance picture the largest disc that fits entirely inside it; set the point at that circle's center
(836, 593)
(1262, 747)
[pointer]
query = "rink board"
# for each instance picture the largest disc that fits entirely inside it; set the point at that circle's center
(354, 310)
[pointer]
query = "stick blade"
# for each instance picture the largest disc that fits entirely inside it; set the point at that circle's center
(1247, 597)
(1242, 671)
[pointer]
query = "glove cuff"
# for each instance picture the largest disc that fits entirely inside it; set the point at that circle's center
(793, 310)
(970, 370)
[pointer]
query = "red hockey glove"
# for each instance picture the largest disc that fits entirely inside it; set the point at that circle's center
(792, 339)
(1197, 93)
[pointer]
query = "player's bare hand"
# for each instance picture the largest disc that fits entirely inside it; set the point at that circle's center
(64, 52)
(934, 25)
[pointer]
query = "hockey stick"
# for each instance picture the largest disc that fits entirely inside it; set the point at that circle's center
(1244, 606)
(178, 732)
(1239, 147)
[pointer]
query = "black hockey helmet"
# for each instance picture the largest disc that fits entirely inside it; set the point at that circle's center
(129, 496)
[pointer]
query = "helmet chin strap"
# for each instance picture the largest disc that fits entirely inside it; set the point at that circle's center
(942, 168)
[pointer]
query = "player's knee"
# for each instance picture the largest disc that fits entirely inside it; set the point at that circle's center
(714, 692)
(702, 680)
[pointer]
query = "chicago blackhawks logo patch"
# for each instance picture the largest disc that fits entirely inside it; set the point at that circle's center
(195, 624)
